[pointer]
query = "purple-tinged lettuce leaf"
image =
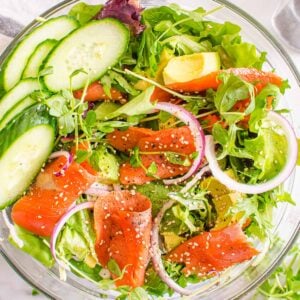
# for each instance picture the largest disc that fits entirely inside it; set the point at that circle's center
(127, 11)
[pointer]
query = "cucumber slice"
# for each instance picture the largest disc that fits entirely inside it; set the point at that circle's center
(55, 28)
(93, 48)
(36, 59)
(14, 111)
(26, 143)
(23, 89)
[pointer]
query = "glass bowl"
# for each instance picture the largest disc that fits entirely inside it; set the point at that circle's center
(241, 279)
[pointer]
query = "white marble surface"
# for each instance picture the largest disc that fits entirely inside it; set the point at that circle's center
(11, 285)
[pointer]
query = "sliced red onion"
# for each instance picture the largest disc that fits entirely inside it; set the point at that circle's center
(98, 189)
(69, 158)
(58, 227)
(197, 177)
(261, 187)
(197, 132)
(156, 253)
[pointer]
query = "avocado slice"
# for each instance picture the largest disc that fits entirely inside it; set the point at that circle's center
(189, 67)
(165, 57)
(106, 164)
(172, 240)
(223, 198)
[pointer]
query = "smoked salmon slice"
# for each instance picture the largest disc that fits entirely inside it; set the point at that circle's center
(165, 169)
(179, 140)
(213, 251)
(259, 78)
(95, 92)
(123, 225)
(50, 197)
(153, 145)
(126, 140)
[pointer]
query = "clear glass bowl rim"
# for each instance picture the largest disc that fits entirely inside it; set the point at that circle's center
(280, 49)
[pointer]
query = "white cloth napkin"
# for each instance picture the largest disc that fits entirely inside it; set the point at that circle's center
(23, 11)
(15, 14)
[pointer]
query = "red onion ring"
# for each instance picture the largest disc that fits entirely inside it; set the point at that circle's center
(197, 132)
(98, 189)
(156, 253)
(69, 158)
(58, 227)
(262, 187)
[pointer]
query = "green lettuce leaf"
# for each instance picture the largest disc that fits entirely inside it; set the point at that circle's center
(77, 239)
(137, 106)
(84, 12)
(244, 55)
(268, 150)
(90, 273)
(34, 246)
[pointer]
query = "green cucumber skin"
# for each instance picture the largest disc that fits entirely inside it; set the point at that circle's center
(34, 116)
(32, 70)
(15, 111)
(48, 63)
(10, 58)
(17, 94)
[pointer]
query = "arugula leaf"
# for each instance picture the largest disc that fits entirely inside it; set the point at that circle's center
(284, 283)
(261, 102)
(84, 12)
(153, 16)
(109, 126)
(177, 159)
(157, 193)
(259, 209)
(34, 246)
(112, 78)
(228, 140)
(148, 55)
(232, 90)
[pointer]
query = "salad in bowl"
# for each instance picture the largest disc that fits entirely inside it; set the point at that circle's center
(141, 149)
